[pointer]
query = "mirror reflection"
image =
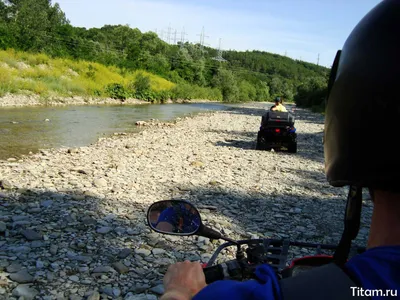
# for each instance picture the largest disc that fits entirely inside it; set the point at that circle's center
(174, 217)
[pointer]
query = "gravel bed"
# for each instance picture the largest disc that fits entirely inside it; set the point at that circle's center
(72, 221)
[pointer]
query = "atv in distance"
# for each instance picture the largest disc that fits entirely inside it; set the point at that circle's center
(277, 131)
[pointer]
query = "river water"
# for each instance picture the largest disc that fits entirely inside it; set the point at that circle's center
(24, 130)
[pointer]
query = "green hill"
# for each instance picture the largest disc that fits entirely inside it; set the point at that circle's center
(246, 76)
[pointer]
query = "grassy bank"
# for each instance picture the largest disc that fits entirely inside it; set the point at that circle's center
(24, 73)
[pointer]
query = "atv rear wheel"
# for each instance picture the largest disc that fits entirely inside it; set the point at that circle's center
(292, 148)
(261, 143)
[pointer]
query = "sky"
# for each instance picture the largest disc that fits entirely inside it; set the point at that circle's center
(309, 30)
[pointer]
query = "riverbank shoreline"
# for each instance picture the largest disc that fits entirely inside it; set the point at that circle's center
(20, 100)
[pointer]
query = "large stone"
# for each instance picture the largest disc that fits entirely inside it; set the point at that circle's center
(124, 253)
(21, 276)
(104, 230)
(5, 184)
(158, 289)
(143, 252)
(31, 235)
(100, 182)
(158, 251)
(131, 296)
(14, 268)
(120, 267)
(103, 269)
(94, 296)
(3, 226)
(25, 291)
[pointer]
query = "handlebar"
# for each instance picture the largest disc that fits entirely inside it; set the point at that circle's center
(260, 251)
(213, 273)
(227, 270)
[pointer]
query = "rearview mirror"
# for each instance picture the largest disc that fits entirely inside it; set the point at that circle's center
(175, 217)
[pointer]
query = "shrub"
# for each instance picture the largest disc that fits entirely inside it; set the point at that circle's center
(116, 91)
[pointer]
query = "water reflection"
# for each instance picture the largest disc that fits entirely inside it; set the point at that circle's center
(25, 129)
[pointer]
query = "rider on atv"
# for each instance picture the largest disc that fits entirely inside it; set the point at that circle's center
(278, 105)
(364, 76)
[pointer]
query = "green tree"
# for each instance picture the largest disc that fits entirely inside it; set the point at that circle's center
(141, 85)
(276, 86)
(32, 23)
(248, 92)
(225, 80)
(312, 92)
(262, 91)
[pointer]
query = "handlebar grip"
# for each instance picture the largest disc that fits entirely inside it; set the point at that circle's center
(213, 273)
(228, 270)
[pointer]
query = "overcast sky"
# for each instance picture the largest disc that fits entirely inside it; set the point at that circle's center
(303, 29)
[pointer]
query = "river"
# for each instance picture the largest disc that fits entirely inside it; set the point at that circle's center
(24, 130)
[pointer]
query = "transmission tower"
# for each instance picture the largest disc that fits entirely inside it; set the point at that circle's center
(183, 39)
(219, 53)
(318, 60)
(169, 34)
(202, 37)
(175, 37)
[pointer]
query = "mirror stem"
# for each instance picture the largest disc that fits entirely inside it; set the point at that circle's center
(229, 240)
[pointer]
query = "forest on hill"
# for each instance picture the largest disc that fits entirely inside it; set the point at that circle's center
(40, 27)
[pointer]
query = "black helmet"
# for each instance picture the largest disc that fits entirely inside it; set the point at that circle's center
(363, 104)
(278, 99)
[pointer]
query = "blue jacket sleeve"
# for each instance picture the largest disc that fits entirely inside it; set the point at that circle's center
(166, 215)
(266, 287)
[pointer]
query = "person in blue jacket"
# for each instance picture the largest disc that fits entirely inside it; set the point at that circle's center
(360, 150)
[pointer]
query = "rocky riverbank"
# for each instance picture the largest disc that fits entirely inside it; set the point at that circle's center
(11, 100)
(72, 221)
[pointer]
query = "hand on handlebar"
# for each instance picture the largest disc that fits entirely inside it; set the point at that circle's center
(183, 280)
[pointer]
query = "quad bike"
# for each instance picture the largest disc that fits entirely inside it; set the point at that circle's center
(255, 252)
(276, 131)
